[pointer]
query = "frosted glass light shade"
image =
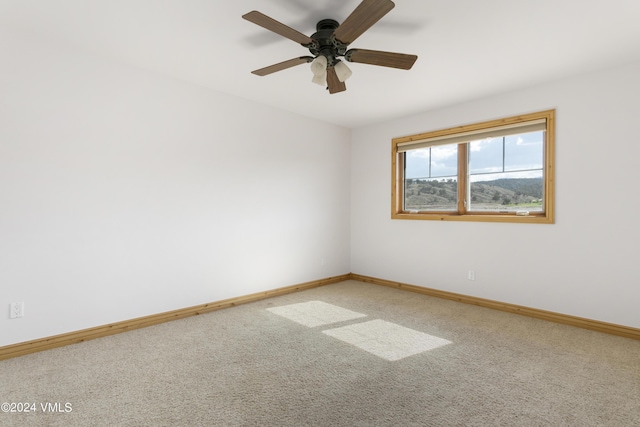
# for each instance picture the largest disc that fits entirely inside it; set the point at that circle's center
(319, 66)
(319, 70)
(320, 79)
(342, 71)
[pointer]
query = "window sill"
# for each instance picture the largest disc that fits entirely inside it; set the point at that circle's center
(491, 217)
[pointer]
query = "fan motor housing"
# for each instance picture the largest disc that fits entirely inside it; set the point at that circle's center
(327, 45)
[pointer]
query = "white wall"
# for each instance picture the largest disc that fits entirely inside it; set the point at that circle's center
(584, 265)
(124, 194)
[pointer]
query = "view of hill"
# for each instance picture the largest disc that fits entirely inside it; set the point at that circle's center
(499, 194)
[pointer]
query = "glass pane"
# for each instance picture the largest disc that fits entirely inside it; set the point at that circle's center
(431, 194)
(417, 163)
(486, 155)
(444, 161)
(431, 179)
(507, 192)
(524, 151)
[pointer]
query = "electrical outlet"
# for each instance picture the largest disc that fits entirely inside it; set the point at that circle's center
(472, 275)
(16, 310)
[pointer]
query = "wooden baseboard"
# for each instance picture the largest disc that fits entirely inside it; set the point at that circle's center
(42, 344)
(594, 325)
(21, 349)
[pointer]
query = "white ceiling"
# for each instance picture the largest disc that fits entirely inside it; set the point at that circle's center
(466, 49)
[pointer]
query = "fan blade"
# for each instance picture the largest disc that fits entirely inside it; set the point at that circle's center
(384, 59)
(277, 27)
(362, 18)
(282, 65)
(334, 84)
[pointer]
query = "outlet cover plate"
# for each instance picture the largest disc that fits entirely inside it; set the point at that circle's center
(16, 310)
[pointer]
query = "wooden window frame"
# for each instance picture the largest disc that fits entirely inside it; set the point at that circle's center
(397, 173)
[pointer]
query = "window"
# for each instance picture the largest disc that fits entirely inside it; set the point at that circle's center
(501, 170)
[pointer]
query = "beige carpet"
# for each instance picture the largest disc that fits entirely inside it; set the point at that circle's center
(349, 354)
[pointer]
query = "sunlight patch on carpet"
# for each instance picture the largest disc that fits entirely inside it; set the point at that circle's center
(386, 340)
(315, 313)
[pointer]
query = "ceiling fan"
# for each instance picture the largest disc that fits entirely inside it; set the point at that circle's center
(329, 43)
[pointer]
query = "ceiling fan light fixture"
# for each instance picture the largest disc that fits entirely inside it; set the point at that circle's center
(319, 66)
(320, 79)
(342, 71)
(319, 70)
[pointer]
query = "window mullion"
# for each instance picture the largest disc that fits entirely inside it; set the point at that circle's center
(463, 187)
(504, 151)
